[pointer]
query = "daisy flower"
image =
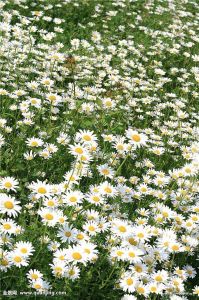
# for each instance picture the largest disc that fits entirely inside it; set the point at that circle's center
(9, 184)
(51, 202)
(106, 171)
(4, 260)
(118, 253)
(53, 99)
(58, 268)
(34, 142)
(128, 282)
(49, 216)
(47, 82)
(25, 248)
(85, 136)
(34, 275)
(81, 236)
(8, 226)
(76, 254)
(41, 189)
(9, 205)
(120, 228)
(155, 288)
(95, 198)
(133, 254)
(17, 259)
(141, 233)
(60, 254)
(91, 228)
(40, 285)
(135, 138)
(142, 289)
(29, 155)
(78, 150)
(160, 276)
(73, 198)
(89, 249)
(196, 290)
(108, 190)
(67, 233)
(53, 246)
(72, 272)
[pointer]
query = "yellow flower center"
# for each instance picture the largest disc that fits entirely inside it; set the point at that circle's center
(165, 214)
(37, 286)
(132, 241)
(49, 217)
(96, 198)
(79, 150)
(129, 281)
(7, 226)
(71, 272)
(8, 184)
(42, 190)
(17, 259)
(77, 256)
(67, 233)
(73, 199)
(91, 228)
(87, 251)
(140, 290)
(108, 190)
(52, 98)
(4, 262)
(87, 138)
(80, 236)
(34, 276)
(175, 247)
(51, 203)
(61, 220)
(34, 144)
(120, 253)
(138, 269)
(140, 235)
(132, 254)
(8, 204)
(158, 278)
(120, 147)
(108, 103)
(122, 228)
(58, 269)
(105, 172)
(188, 224)
(24, 250)
(136, 138)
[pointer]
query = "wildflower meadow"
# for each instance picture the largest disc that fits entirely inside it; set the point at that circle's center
(99, 145)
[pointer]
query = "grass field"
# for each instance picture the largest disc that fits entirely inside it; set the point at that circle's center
(99, 149)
